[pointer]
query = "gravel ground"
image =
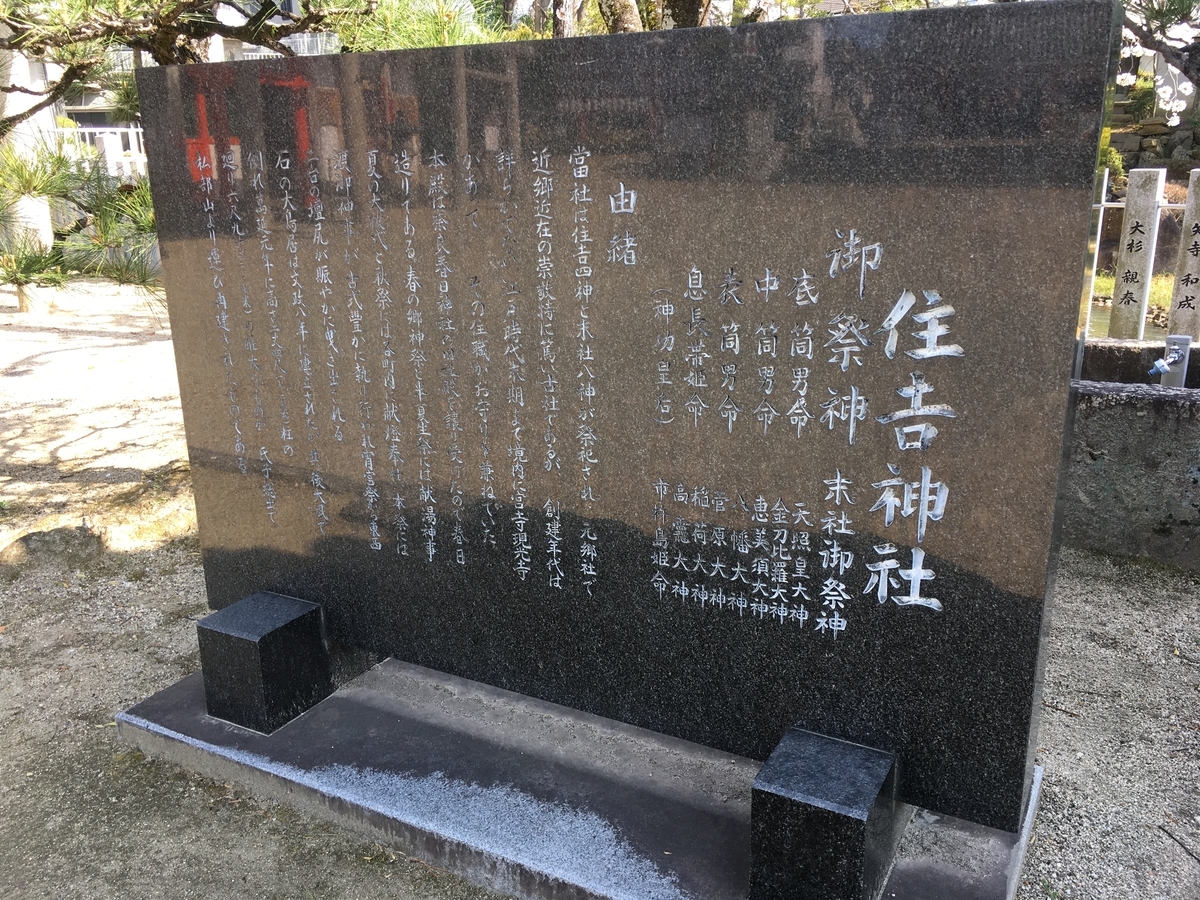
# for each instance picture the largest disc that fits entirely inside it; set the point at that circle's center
(90, 432)
(1120, 736)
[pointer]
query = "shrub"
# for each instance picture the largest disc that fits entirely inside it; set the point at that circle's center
(1141, 98)
(1111, 159)
(24, 261)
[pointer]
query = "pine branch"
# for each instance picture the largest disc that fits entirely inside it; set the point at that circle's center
(72, 75)
(17, 89)
(191, 18)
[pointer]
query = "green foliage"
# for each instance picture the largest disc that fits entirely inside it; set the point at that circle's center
(776, 10)
(523, 31)
(1141, 98)
(116, 237)
(648, 10)
(78, 36)
(1111, 159)
(1160, 15)
(113, 235)
(407, 24)
(46, 170)
(122, 94)
(23, 260)
(593, 22)
(137, 205)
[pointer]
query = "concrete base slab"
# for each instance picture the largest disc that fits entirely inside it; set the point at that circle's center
(528, 797)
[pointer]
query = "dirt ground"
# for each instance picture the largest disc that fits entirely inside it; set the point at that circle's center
(94, 619)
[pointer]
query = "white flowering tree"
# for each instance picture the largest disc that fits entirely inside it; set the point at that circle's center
(1171, 90)
(1171, 29)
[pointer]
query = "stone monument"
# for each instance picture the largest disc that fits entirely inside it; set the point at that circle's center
(710, 384)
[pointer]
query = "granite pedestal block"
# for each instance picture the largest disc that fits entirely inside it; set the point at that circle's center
(824, 820)
(264, 660)
(532, 799)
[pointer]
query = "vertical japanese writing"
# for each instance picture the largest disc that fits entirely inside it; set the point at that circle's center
(622, 247)
(480, 349)
(274, 330)
(554, 569)
(923, 499)
(581, 201)
(439, 169)
(763, 570)
(231, 174)
(257, 167)
(392, 433)
(854, 254)
(766, 350)
(760, 569)
(343, 185)
(697, 350)
(418, 359)
(663, 306)
(204, 167)
(1184, 315)
(800, 350)
(515, 392)
(480, 354)
(324, 281)
(283, 169)
(480, 363)
(836, 559)
(543, 221)
(730, 347)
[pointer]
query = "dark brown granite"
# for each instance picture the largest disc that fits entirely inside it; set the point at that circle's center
(664, 520)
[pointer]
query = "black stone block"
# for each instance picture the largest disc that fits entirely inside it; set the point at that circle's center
(264, 660)
(824, 820)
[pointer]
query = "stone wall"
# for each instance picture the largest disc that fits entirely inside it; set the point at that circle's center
(1133, 482)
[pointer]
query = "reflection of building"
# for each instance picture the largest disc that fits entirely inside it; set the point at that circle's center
(301, 44)
(86, 121)
(93, 107)
(100, 124)
(93, 120)
(31, 75)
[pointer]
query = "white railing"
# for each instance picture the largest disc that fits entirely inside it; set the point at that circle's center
(308, 44)
(119, 148)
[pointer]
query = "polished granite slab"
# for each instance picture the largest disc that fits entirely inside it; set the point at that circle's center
(712, 381)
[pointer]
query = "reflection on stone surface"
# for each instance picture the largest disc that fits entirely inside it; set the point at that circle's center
(697, 379)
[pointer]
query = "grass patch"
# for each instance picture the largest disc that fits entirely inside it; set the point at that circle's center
(1161, 287)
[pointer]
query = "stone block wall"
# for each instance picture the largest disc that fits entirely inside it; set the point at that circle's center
(1133, 481)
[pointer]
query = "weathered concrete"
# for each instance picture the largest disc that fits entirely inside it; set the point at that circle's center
(1128, 362)
(1133, 485)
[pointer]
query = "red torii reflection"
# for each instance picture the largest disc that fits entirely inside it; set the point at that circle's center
(214, 139)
